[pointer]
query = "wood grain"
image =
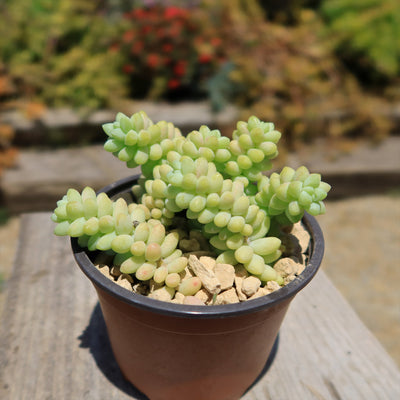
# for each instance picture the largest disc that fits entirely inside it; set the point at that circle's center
(53, 343)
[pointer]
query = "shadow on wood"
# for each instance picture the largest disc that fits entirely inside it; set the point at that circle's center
(95, 338)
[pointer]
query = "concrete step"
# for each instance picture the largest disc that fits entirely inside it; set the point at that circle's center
(42, 177)
(368, 168)
(65, 126)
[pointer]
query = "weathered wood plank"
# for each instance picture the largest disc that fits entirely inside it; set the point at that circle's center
(53, 343)
(328, 353)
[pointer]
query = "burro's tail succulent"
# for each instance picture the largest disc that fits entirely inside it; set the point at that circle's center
(202, 191)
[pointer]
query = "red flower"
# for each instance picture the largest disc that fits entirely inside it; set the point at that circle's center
(114, 47)
(137, 48)
(174, 12)
(138, 13)
(128, 36)
(204, 58)
(160, 32)
(167, 47)
(146, 29)
(173, 83)
(198, 40)
(153, 61)
(174, 31)
(127, 68)
(215, 41)
(180, 68)
(167, 61)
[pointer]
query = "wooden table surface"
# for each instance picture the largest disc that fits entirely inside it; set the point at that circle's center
(53, 343)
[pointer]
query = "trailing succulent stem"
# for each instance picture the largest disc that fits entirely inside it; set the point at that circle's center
(199, 192)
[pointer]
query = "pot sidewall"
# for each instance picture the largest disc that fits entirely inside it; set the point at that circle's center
(190, 358)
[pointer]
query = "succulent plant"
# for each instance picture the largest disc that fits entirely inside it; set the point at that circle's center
(202, 191)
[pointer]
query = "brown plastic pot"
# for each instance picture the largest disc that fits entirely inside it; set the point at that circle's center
(180, 352)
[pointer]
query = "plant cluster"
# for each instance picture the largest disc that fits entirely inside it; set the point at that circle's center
(168, 50)
(204, 183)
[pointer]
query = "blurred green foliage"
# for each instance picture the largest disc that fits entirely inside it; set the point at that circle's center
(286, 11)
(59, 51)
(314, 67)
(289, 75)
(366, 34)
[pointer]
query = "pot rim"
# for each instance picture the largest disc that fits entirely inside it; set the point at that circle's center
(201, 312)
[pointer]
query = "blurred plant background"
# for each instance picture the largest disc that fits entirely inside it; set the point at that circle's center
(317, 68)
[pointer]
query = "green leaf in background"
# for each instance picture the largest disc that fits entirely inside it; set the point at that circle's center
(366, 33)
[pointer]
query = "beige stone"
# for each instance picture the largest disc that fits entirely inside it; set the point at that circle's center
(125, 281)
(205, 296)
(286, 266)
(273, 286)
(105, 270)
(164, 294)
(227, 297)
(289, 279)
(262, 291)
(225, 273)
(207, 277)
(240, 274)
(186, 274)
(250, 285)
(193, 301)
(208, 262)
(238, 285)
(179, 297)
(300, 268)
(302, 235)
